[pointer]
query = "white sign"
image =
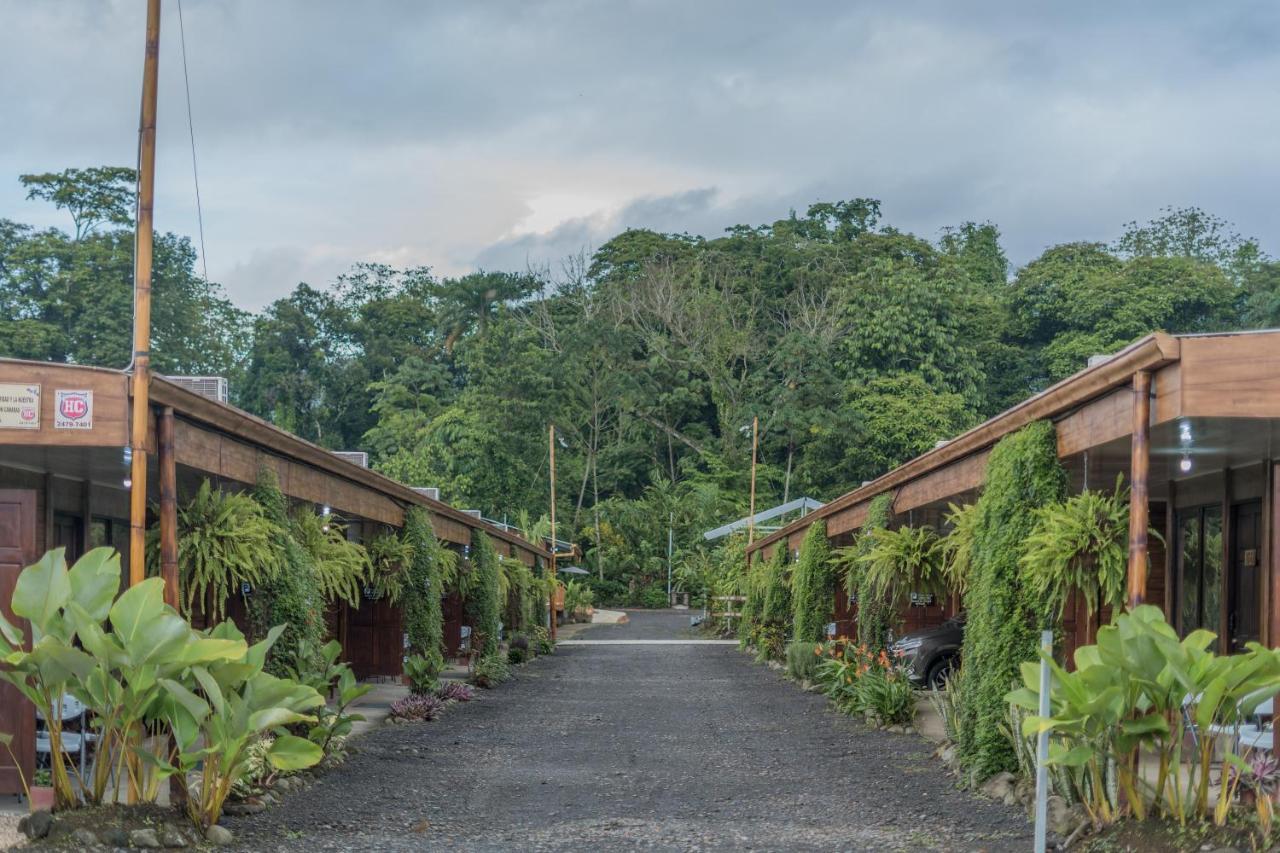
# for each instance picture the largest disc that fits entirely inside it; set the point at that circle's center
(73, 410)
(19, 406)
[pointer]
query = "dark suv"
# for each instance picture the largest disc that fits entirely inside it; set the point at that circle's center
(933, 652)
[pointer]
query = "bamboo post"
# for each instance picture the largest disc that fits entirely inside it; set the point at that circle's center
(143, 237)
(1139, 473)
(168, 507)
(552, 605)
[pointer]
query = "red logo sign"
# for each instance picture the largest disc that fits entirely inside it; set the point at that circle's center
(73, 407)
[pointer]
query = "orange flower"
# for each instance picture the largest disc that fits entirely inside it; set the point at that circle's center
(818, 651)
(848, 680)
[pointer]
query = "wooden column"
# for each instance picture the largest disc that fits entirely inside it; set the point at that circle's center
(143, 245)
(1139, 474)
(168, 507)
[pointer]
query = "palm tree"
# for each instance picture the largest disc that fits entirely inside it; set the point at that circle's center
(471, 300)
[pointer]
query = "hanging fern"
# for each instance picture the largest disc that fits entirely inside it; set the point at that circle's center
(1081, 543)
(342, 567)
(899, 562)
(957, 546)
(224, 540)
(874, 614)
(390, 556)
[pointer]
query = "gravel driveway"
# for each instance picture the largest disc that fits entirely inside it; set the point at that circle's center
(668, 747)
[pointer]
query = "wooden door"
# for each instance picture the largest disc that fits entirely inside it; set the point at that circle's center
(375, 639)
(1245, 611)
(17, 715)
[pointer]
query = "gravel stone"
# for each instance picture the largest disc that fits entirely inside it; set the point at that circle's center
(144, 838)
(219, 836)
(663, 747)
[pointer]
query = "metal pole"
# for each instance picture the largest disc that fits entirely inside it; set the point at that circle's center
(751, 514)
(143, 236)
(1042, 745)
(671, 520)
(552, 605)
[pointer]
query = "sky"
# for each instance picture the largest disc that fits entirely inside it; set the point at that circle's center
(501, 135)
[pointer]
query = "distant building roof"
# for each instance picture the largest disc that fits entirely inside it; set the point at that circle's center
(802, 505)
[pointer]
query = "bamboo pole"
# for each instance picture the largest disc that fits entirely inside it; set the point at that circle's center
(751, 513)
(552, 606)
(143, 236)
(168, 507)
(1139, 474)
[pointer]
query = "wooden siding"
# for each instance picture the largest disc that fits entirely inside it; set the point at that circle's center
(110, 404)
(1231, 376)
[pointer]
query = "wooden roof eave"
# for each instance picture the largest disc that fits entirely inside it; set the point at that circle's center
(1149, 353)
(241, 424)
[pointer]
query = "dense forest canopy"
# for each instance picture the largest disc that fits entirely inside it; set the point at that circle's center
(857, 345)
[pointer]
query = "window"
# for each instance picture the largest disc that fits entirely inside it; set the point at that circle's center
(1200, 568)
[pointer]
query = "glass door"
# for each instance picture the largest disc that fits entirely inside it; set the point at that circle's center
(1200, 569)
(1244, 616)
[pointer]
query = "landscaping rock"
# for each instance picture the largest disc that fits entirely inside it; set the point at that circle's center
(172, 837)
(115, 837)
(1062, 821)
(999, 785)
(144, 838)
(1025, 790)
(247, 807)
(36, 824)
(219, 836)
(84, 839)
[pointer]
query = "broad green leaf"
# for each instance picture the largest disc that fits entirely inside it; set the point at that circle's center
(290, 752)
(42, 590)
(95, 580)
(193, 704)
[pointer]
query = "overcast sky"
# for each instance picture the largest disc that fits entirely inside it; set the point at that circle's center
(486, 134)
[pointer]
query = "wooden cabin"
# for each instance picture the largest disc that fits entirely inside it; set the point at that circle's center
(64, 466)
(1192, 425)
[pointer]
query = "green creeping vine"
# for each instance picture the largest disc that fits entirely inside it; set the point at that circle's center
(1023, 474)
(875, 615)
(811, 586)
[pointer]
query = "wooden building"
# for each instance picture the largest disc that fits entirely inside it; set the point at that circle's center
(1191, 422)
(64, 470)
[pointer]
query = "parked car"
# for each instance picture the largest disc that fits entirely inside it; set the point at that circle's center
(933, 653)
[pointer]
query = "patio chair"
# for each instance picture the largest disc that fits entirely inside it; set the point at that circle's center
(73, 742)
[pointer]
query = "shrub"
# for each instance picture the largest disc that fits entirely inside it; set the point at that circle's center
(577, 599)
(542, 642)
(490, 671)
(331, 678)
(423, 672)
(875, 615)
(291, 596)
(428, 563)
(1023, 474)
(484, 597)
(517, 656)
(812, 586)
(884, 692)
(802, 662)
(456, 691)
(417, 706)
(654, 596)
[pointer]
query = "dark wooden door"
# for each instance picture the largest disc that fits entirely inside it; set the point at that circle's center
(1245, 613)
(17, 715)
(375, 639)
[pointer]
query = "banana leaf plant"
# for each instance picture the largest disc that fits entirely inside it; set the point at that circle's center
(55, 601)
(231, 704)
(148, 641)
(1139, 690)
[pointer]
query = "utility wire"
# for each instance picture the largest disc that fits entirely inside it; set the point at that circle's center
(191, 130)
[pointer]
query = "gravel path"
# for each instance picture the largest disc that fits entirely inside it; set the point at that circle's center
(655, 747)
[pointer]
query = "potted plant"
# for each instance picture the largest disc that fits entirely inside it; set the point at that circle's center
(41, 793)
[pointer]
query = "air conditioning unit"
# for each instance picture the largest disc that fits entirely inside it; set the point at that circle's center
(427, 492)
(1095, 360)
(212, 387)
(474, 513)
(357, 457)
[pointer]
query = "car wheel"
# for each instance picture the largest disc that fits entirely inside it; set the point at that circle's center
(936, 678)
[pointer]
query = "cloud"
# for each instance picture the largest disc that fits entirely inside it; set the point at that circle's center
(466, 135)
